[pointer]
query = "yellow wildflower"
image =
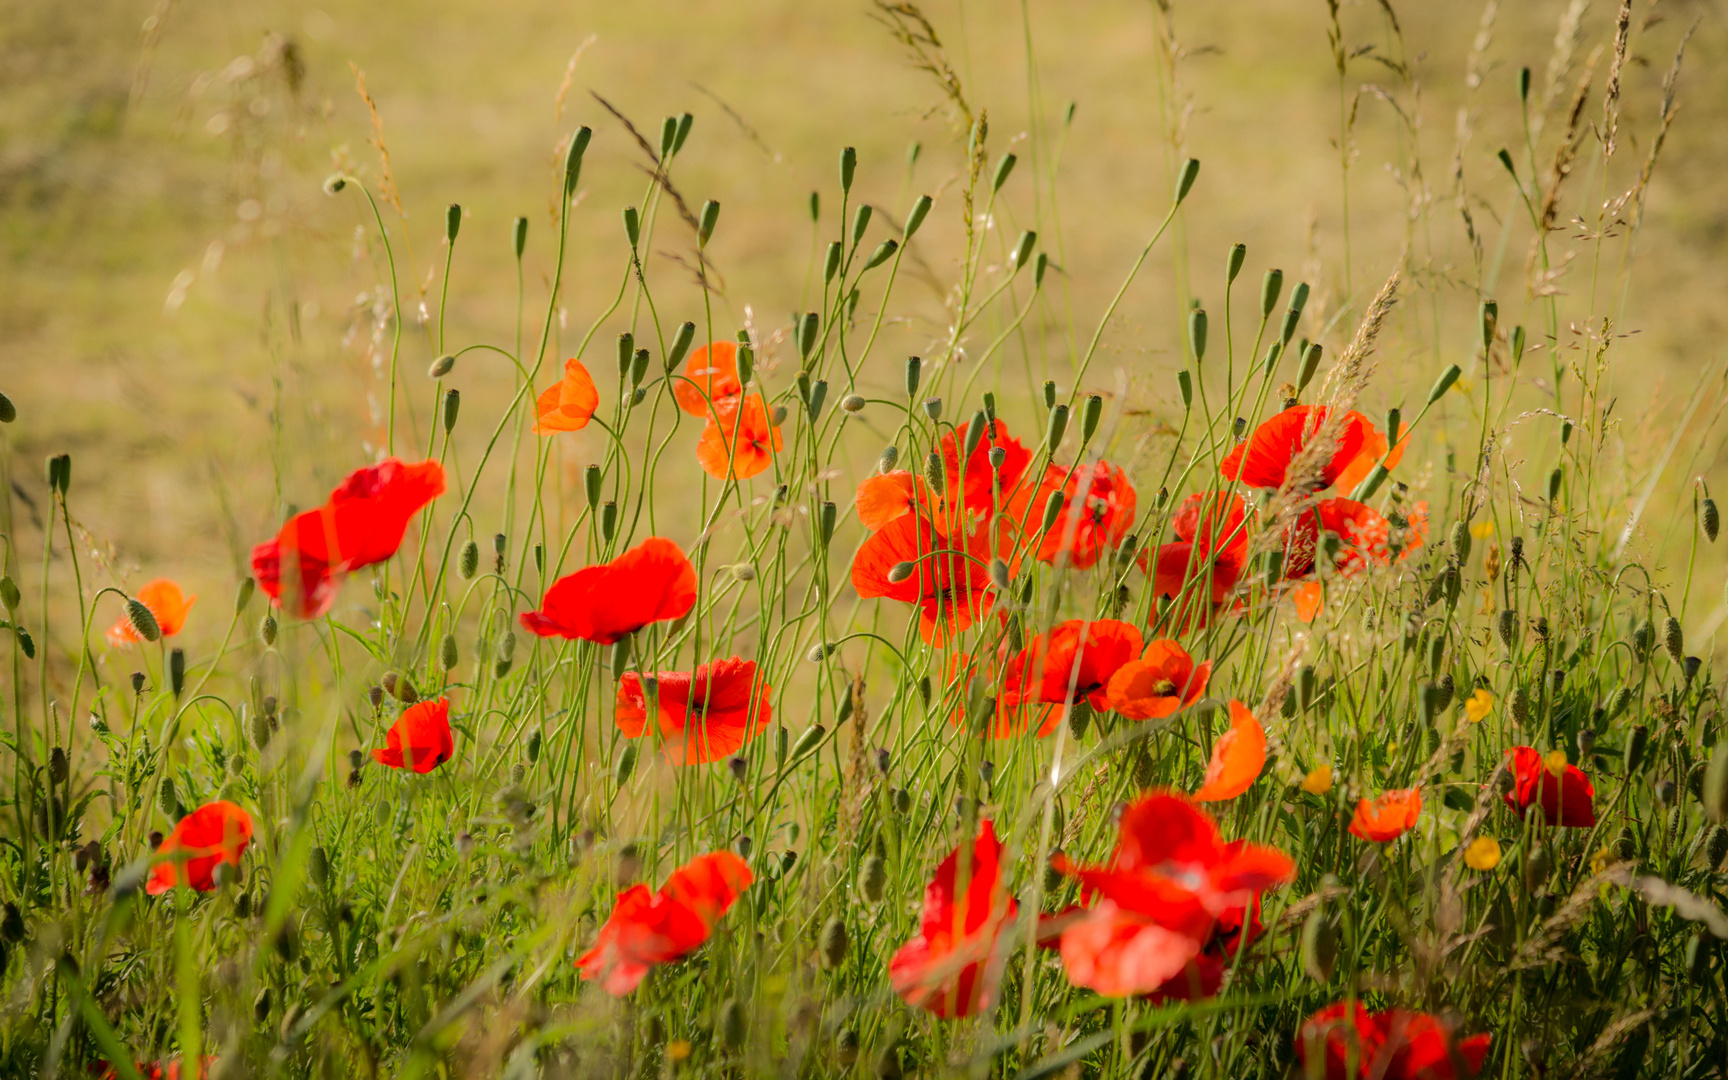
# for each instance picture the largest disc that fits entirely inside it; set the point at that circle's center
(1319, 780)
(1482, 854)
(1478, 704)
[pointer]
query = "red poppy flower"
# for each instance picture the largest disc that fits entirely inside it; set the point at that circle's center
(1204, 975)
(1264, 460)
(216, 832)
(973, 488)
(419, 739)
(1347, 1042)
(1388, 817)
(892, 495)
(1159, 901)
(1211, 540)
(167, 1069)
(1010, 717)
(950, 580)
(363, 523)
(656, 928)
(1363, 532)
(711, 374)
(165, 601)
(945, 970)
(1074, 662)
(652, 582)
(738, 442)
(1164, 680)
(1567, 797)
(1104, 512)
(703, 715)
(568, 404)
(1373, 449)
(1237, 757)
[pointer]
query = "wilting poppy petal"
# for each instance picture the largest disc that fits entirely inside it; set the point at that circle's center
(420, 738)
(1566, 799)
(1264, 460)
(711, 374)
(946, 969)
(1092, 523)
(1237, 757)
(703, 716)
(216, 832)
(569, 404)
(165, 601)
(1163, 680)
(646, 928)
(652, 582)
(1388, 817)
(738, 442)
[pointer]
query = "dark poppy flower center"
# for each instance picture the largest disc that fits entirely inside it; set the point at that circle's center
(1164, 688)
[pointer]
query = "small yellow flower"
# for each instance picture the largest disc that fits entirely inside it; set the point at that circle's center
(1556, 762)
(1599, 860)
(1319, 780)
(677, 1050)
(1478, 704)
(1482, 854)
(1482, 530)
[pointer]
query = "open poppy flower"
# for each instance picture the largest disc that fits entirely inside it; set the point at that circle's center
(1373, 449)
(1162, 681)
(1158, 902)
(652, 582)
(1388, 817)
(1237, 757)
(1074, 662)
(702, 716)
(972, 487)
(1104, 512)
(165, 601)
(1204, 975)
(1008, 717)
(945, 969)
(420, 738)
(711, 374)
(166, 1069)
(1566, 798)
(1264, 460)
(647, 928)
(1344, 1041)
(949, 582)
(1211, 543)
(216, 832)
(739, 440)
(568, 404)
(1363, 531)
(890, 495)
(363, 523)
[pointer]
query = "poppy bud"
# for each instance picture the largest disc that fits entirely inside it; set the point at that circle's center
(1715, 788)
(608, 520)
(853, 403)
(441, 366)
(807, 330)
(788, 860)
(915, 218)
(846, 1046)
(1690, 667)
(680, 345)
(860, 222)
(1310, 364)
(1091, 413)
(1185, 386)
(1643, 639)
(900, 571)
(1023, 250)
(1057, 428)
(267, 629)
(8, 411)
(59, 767)
(1538, 864)
(848, 166)
(142, 620)
(1238, 255)
(1305, 686)
(10, 594)
(1319, 946)
(318, 866)
(1293, 313)
(685, 122)
(452, 407)
(818, 394)
(705, 227)
(626, 763)
(902, 801)
(831, 945)
(935, 474)
(620, 657)
(826, 517)
(1461, 541)
(999, 574)
(1444, 383)
(1673, 640)
(519, 236)
(1586, 742)
(874, 877)
(924, 690)
(1554, 479)
(1079, 717)
(1506, 625)
(167, 801)
(447, 652)
(632, 226)
(1716, 848)
(1052, 510)
(638, 372)
(1711, 518)
(1637, 741)
(1185, 182)
(739, 767)
(137, 682)
(259, 729)
(452, 222)
(1270, 286)
(1197, 333)
(177, 670)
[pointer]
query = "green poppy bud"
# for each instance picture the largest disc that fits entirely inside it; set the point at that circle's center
(632, 226)
(848, 167)
(1270, 287)
(1444, 383)
(1238, 255)
(1185, 182)
(831, 945)
(1197, 333)
(705, 224)
(452, 222)
(519, 236)
(915, 218)
(441, 367)
(452, 406)
(142, 620)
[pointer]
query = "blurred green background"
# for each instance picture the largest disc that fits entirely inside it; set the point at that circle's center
(192, 318)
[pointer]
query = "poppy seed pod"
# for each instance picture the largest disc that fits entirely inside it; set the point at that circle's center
(1238, 255)
(818, 394)
(452, 222)
(1673, 640)
(441, 366)
(638, 372)
(267, 630)
(1293, 313)
(826, 517)
(1710, 517)
(608, 520)
(1057, 428)
(177, 670)
(680, 344)
(884, 251)
(874, 877)
(137, 682)
(997, 455)
(142, 620)
(1003, 168)
(620, 657)
(1444, 383)
(831, 945)
(535, 741)
(626, 352)
(915, 218)
(1185, 182)
(860, 222)
(1554, 479)
(685, 122)
(705, 224)
(452, 407)
(1090, 414)
(739, 767)
(1637, 741)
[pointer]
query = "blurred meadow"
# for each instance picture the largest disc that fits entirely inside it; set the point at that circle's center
(192, 318)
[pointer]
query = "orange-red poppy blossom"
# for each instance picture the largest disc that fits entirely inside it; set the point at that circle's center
(1204, 975)
(1363, 532)
(166, 601)
(949, 579)
(420, 738)
(710, 375)
(1373, 449)
(702, 715)
(739, 441)
(1162, 681)
(652, 582)
(1209, 552)
(569, 403)
(1091, 523)
(1073, 662)
(890, 495)
(1264, 460)
(1386, 818)
(363, 523)
(1566, 797)
(971, 488)
(1344, 1041)
(951, 969)
(1162, 896)
(215, 833)
(648, 928)
(1237, 757)
(1008, 716)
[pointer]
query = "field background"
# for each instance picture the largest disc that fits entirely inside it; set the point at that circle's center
(195, 321)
